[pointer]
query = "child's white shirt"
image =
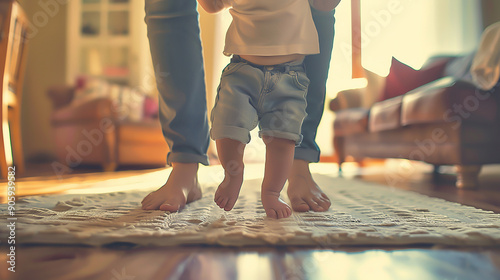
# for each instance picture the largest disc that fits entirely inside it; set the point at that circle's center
(270, 27)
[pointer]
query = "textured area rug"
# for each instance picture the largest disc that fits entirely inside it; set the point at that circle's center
(361, 214)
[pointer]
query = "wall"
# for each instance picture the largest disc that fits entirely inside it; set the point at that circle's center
(45, 67)
(491, 11)
(211, 43)
(213, 30)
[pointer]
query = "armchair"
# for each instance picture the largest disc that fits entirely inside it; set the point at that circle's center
(96, 132)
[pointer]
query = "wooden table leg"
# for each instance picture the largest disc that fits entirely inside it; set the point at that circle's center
(467, 176)
(338, 145)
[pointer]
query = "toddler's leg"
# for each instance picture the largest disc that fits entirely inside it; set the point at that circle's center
(231, 157)
(279, 159)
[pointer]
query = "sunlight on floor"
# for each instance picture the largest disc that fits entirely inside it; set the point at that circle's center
(374, 264)
(252, 266)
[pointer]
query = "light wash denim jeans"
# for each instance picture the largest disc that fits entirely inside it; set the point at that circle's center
(174, 38)
(274, 97)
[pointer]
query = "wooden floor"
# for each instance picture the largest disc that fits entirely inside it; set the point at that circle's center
(415, 262)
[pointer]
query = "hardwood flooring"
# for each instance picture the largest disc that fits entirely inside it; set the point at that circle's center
(204, 262)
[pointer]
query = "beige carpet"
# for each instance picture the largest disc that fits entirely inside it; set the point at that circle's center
(361, 214)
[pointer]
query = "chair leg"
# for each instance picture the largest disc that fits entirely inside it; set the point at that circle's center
(111, 162)
(17, 144)
(3, 157)
(109, 166)
(338, 146)
(467, 176)
(4, 126)
(435, 172)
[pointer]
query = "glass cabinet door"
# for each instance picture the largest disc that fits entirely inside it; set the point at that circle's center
(116, 63)
(105, 33)
(91, 23)
(118, 23)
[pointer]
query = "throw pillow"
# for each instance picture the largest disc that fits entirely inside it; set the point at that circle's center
(90, 88)
(151, 109)
(402, 78)
(128, 102)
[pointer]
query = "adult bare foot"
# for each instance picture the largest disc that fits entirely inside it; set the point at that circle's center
(274, 206)
(181, 187)
(303, 192)
(228, 191)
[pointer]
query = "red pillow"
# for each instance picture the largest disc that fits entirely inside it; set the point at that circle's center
(402, 78)
(150, 108)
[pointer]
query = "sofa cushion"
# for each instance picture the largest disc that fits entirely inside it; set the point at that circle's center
(385, 115)
(61, 95)
(459, 68)
(93, 110)
(349, 98)
(448, 100)
(128, 101)
(351, 121)
(402, 78)
(375, 87)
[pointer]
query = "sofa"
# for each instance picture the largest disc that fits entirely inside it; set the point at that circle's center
(435, 114)
(98, 123)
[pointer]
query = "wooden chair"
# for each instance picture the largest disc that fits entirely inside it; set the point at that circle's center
(13, 50)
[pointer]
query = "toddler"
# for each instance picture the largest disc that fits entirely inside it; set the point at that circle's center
(264, 84)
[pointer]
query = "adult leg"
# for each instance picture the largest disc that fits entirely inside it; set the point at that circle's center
(175, 46)
(303, 192)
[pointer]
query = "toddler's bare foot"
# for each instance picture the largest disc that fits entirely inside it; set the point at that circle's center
(228, 191)
(303, 192)
(181, 187)
(274, 206)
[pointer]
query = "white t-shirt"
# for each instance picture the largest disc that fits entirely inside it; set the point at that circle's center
(271, 27)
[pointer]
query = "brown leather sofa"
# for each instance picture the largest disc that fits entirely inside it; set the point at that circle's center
(93, 132)
(447, 121)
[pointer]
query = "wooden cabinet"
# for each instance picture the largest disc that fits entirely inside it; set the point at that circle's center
(107, 39)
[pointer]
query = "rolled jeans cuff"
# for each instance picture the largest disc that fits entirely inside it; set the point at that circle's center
(186, 158)
(231, 132)
(297, 138)
(308, 155)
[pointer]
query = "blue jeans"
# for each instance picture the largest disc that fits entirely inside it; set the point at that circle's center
(174, 38)
(272, 96)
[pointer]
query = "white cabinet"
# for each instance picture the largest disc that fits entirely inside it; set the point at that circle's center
(107, 39)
